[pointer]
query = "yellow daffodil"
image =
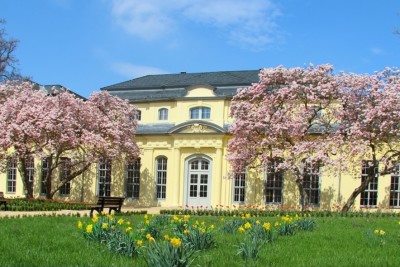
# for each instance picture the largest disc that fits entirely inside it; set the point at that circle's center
(89, 228)
(248, 216)
(120, 221)
(102, 213)
(212, 226)
(175, 242)
(80, 224)
(267, 226)
(128, 223)
(247, 225)
(112, 227)
(376, 231)
(147, 222)
(104, 225)
(257, 222)
(166, 237)
(151, 240)
(148, 236)
(241, 229)
(139, 243)
(146, 217)
(186, 218)
(186, 232)
(381, 232)
(128, 229)
(95, 219)
(202, 230)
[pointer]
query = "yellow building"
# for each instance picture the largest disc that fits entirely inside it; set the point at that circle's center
(183, 135)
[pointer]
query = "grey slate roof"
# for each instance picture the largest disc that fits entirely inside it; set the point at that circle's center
(174, 86)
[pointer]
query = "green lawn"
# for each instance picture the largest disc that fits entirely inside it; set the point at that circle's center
(56, 241)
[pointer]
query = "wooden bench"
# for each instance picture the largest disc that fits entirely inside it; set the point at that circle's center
(3, 200)
(112, 203)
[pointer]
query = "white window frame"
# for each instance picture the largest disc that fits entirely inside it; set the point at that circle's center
(239, 188)
(161, 177)
(104, 178)
(309, 177)
(163, 114)
(203, 113)
(272, 177)
(132, 179)
(394, 200)
(11, 175)
(45, 170)
(370, 194)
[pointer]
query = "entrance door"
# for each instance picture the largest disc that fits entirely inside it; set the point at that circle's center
(198, 181)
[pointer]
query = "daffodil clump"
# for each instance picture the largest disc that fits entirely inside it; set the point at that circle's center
(117, 234)
(376, 237)
(194, 232)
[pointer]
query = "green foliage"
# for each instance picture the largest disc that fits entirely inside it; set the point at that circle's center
(162, 254)
(259, 231)
(230, 226)
(375, 238)
(42, 204)
(250, 247)
(306, 224)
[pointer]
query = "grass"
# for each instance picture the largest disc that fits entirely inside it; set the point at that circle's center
(339, 241)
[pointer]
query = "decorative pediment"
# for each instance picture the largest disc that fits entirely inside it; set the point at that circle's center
(197, 127)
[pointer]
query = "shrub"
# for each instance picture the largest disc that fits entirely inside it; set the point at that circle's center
(250, 247)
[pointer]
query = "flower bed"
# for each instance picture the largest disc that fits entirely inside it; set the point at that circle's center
(177, 240)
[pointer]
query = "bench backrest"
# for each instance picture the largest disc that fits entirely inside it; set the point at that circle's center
(110, 201)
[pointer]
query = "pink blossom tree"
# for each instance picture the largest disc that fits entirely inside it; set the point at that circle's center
(370, 124)
(36, 125)
(288, 115)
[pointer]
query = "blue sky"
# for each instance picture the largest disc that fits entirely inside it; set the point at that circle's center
(88, 44)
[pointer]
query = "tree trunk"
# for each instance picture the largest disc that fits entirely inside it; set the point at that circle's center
(299, 183)
(25, 178)
(357, 191)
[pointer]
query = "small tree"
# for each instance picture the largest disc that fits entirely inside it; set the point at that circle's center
(370, 123)
(34, 124)
(7, 59)
(288, 115)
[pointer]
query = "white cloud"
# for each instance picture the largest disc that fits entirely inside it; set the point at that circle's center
(132, 71)
(251, 22)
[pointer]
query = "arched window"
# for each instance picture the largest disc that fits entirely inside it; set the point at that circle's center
(200, 113)
(163, 114)
(161, 177)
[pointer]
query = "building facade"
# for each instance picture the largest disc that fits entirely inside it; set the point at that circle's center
(183, 135)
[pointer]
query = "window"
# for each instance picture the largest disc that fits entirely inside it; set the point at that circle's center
(138, 115)
(395, 189)
(273, 183)
(311, 183)
(369, 197)
(316, 112)
(200, 113)
(133, 179)
(239, 187)
(65, 172)
(11, 175)
(30, 168)
(163, 114)
(161, 177)
(45, 171)
(104, 178)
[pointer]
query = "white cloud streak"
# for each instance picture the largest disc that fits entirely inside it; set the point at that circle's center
(251, 23)
(133, 71)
